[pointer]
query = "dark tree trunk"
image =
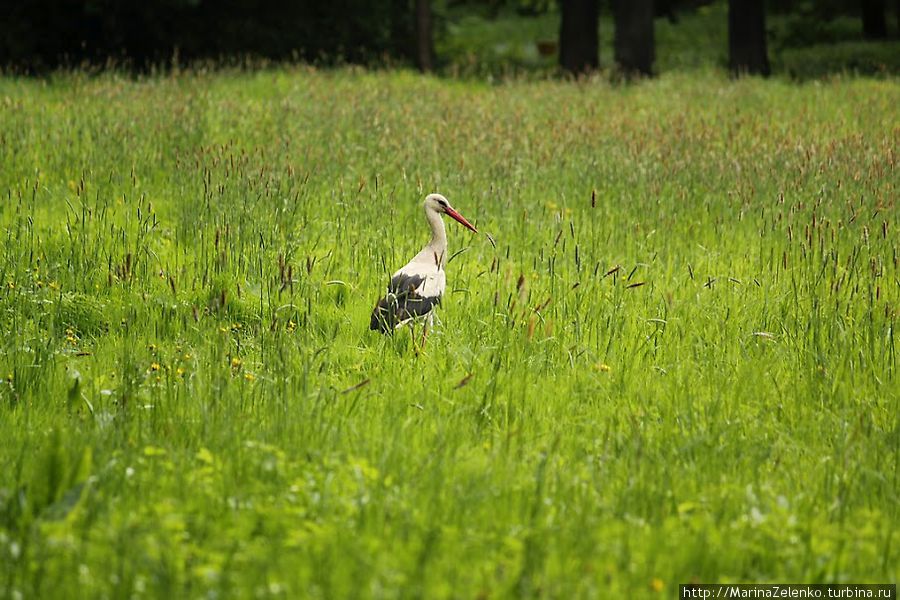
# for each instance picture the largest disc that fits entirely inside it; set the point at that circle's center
(747, 37)
(424, 46)
(634, 43)
(578, 38)
(874, 24)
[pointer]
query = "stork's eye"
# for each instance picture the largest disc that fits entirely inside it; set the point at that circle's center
(443, 203)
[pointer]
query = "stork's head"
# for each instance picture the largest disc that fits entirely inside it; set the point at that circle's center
(438, 204)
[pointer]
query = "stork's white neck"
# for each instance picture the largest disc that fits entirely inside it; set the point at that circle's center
(438, 243)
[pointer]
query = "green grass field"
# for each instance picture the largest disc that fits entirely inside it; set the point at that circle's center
(677, 363)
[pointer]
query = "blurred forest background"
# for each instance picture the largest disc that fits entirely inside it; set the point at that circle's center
(459, 37)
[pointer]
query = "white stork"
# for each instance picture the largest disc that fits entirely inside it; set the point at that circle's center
(417, 288)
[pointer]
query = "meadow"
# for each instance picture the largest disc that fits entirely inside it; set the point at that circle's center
(673, 360)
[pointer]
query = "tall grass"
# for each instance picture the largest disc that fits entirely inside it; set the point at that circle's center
(676, 361)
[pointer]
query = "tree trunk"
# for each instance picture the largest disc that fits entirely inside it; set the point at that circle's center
(578, 38)
(874, 24)
(424, 46)
(747, 37)
(634, 43)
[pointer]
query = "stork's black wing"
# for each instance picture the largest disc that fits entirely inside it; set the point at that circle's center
(401, 303)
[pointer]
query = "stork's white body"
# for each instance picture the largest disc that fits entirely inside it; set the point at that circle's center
(429, 270)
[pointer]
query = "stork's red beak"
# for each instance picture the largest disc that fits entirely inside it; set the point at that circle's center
(461, 219)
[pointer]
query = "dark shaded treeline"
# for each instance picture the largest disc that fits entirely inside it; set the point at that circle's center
(41, 34)
(38, 35)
